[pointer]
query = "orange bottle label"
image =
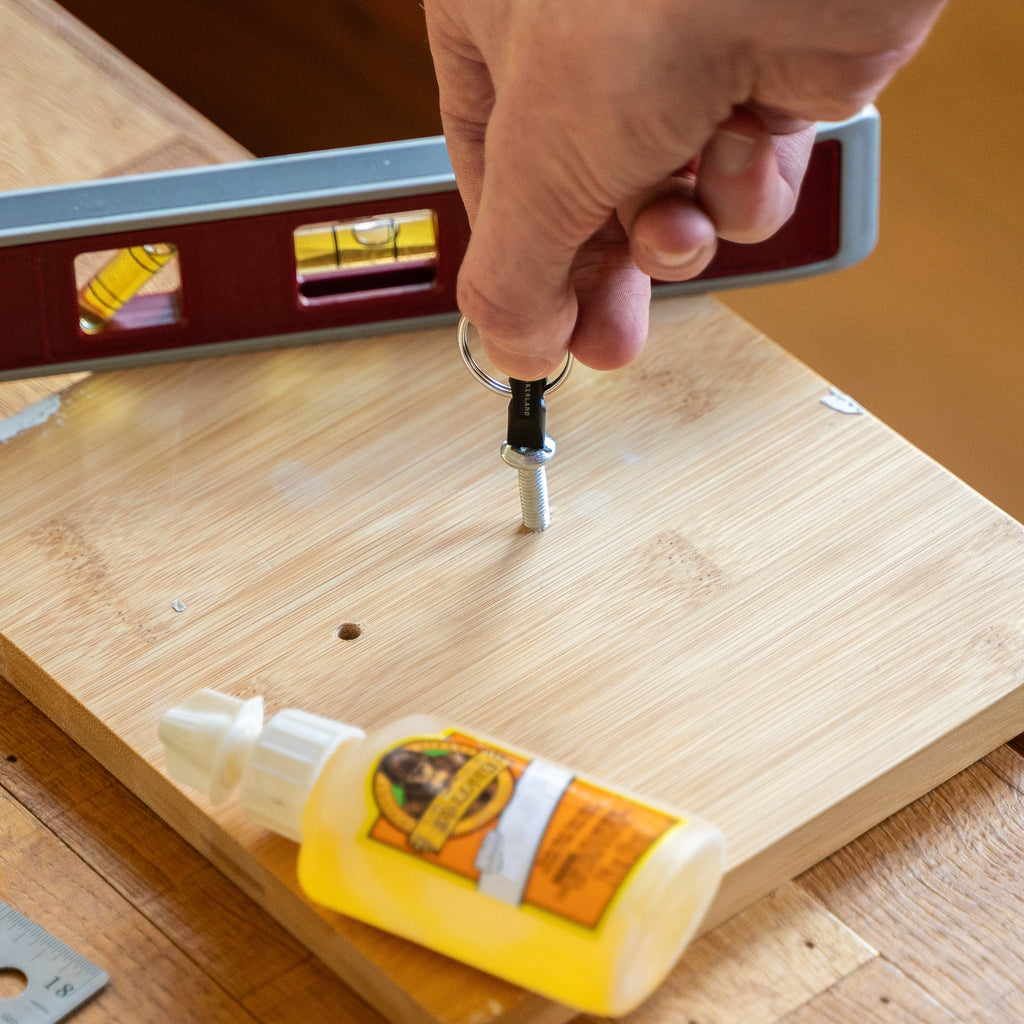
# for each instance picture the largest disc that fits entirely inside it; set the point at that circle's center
(523, 830)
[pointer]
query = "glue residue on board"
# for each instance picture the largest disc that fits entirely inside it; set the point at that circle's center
(592, 505)
(839, 402)
(33, 416)
(298, 484)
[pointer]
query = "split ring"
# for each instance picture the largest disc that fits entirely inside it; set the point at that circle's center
(496, 385)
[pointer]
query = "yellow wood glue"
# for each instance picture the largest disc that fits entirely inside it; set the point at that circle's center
(444, 836)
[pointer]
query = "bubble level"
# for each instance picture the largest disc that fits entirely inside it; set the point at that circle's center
(367, 254)
(121, 277)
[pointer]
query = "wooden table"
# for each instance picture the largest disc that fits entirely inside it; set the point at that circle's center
(920, 919)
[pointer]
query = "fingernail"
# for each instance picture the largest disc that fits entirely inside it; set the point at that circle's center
(675, 259)
(732, 153)
(520, 365)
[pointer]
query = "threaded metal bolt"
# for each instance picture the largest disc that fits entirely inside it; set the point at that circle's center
(533, 481)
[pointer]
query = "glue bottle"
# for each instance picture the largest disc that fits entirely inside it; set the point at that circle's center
(506, 862)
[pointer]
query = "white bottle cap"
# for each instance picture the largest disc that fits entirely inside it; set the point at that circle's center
(208, 739)
(277, 780)
(213, 741)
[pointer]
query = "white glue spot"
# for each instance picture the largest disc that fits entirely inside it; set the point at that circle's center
(298, 485)
(593, 504)
(839, 402)
(35, 415)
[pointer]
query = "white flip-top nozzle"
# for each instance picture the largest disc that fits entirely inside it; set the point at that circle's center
(208, 739)
(212, 742)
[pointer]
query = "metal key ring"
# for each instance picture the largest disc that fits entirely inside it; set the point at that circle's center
(496, 385)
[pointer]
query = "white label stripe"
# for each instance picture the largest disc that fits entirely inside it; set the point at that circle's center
(506, 857)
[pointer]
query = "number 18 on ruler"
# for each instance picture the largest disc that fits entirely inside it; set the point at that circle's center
(50, 979)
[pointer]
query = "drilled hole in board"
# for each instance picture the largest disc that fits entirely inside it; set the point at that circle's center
(349, 631)
(12, 982)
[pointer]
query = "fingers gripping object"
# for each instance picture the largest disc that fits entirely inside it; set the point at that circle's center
(527, 448)
(493, 383)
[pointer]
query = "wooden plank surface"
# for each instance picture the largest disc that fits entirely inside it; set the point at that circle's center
(791, 951)
(787, 960)
(992, 647)
(975, 877)
(92, 864)
(876, 994)
(740, 585)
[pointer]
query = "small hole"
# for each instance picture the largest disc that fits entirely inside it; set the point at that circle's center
(12, 982)
(11, 758)
(885, 999)
(809, 944)
(349, 631)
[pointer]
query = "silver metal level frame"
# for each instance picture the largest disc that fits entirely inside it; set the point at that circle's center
(386, 170)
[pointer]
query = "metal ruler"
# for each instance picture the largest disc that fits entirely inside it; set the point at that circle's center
(57, 979)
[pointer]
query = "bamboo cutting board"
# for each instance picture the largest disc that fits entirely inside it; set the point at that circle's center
(751, 605)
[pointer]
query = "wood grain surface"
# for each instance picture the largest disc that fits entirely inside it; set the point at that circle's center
(212, 955)
(977, 878)
(92, 864)
(739, 586)
(162, 902)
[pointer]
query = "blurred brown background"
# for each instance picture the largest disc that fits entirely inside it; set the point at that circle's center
(928, 333)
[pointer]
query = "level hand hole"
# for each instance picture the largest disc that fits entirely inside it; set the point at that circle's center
(12, 982)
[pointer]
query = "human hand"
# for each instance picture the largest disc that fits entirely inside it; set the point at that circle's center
(599, 143)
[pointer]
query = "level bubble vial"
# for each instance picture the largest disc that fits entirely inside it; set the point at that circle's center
(137, 286)
(367, 254)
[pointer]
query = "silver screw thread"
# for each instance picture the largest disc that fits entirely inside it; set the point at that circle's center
(533, 498)
(533, 482)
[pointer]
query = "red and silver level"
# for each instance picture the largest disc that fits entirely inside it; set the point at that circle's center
(315, 247)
